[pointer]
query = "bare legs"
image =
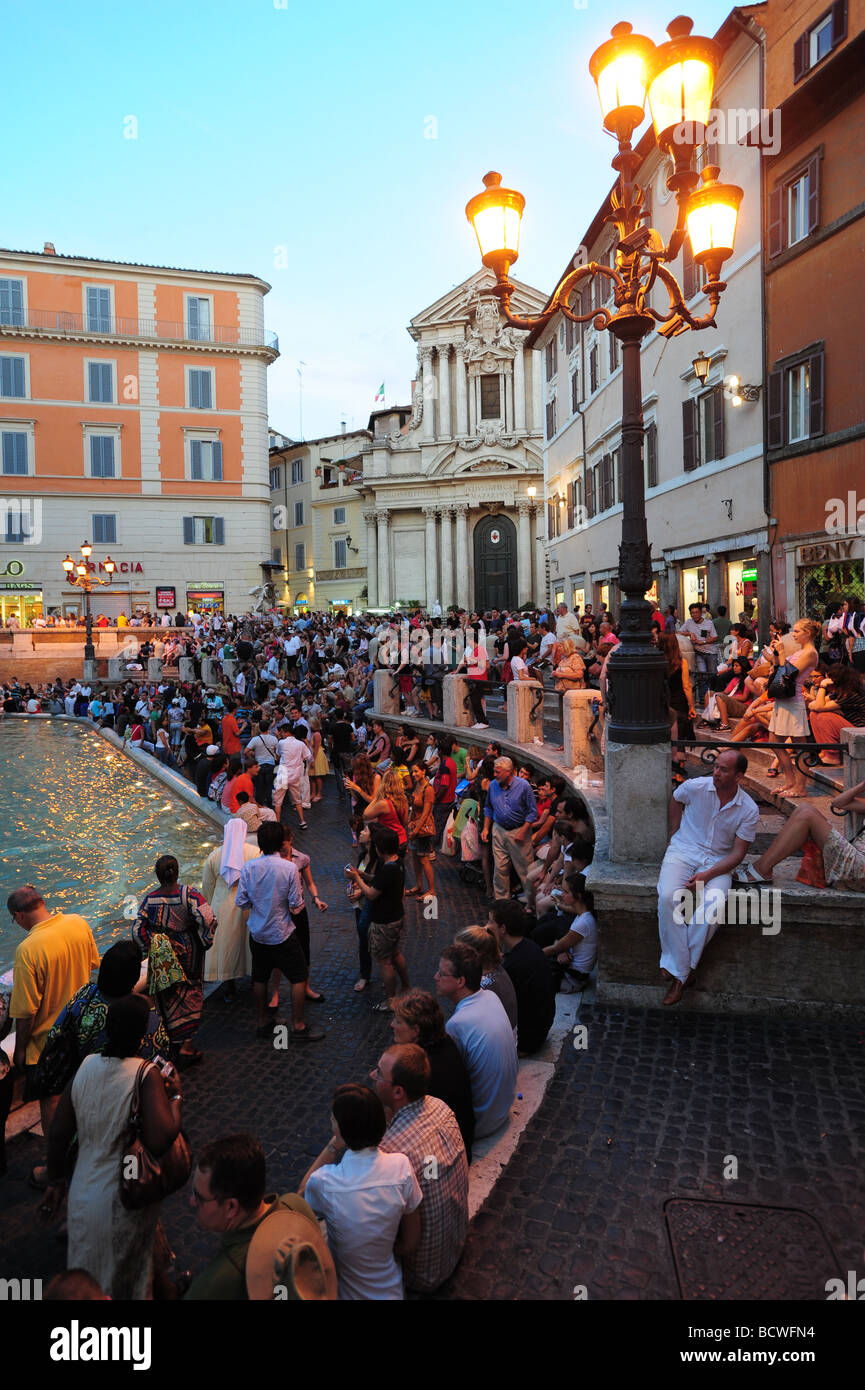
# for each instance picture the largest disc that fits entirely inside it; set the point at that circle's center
(805, 821)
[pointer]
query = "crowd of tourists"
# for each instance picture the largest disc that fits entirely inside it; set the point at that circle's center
(289, 706)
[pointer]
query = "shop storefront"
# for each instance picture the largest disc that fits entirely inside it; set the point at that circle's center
(828, 572)
(206, 600)
(578, 592)
(693, 587)
(742, 588)
(21, 601)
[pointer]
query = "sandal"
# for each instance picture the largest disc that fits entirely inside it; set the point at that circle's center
(315, 998)
(411, 892)
(773, 772)
(383, 1007)
(360, 986)
(747, 876)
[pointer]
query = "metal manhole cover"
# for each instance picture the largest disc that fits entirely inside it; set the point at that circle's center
(726, 1251)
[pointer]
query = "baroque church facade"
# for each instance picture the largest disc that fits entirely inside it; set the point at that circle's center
(447, 501)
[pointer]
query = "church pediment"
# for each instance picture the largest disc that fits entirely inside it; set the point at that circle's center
(459, 304)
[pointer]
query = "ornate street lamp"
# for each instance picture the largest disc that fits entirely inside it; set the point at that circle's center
(678, 78)
(85, 581)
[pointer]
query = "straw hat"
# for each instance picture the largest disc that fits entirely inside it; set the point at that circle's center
(289, 1253)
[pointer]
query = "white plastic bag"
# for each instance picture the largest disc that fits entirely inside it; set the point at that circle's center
(448, 844)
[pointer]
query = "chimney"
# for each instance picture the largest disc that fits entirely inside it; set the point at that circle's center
(48, 249)
(343, 426)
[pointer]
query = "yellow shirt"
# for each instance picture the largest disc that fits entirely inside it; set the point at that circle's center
(54, 960)
(122, 620)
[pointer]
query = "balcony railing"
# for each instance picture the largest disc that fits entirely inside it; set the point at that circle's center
(106, 326)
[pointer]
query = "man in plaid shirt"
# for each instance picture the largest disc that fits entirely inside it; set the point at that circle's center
(425, 1130)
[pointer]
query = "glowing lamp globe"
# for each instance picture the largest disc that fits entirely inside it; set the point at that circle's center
(620, 69)
(713, 210)
(496, 215)
(681, 82)
(69, 564)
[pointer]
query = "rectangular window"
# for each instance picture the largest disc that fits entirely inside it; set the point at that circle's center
(300, 556)
(703, 429)
(275, 478)
(13, 377)
(551, 359)
(339, 516)
(652, 455)
(14, 453)
(203, 530)
(614, 351)
(593, 368)
(205, 461)
(818, 41)
(795, 397)
(296, 471)
(570, 335)
(617, 476)
(491, 396)
(12, 303)
(340, 555)
(98, 300)
(551, 418)
(100, 382)
(17, 526)
(276, 556)
(799, 388)
(101, 455)
(575, 392)
(200, 387)
(198, 326)
(104, 529)
(298, 513)
(591, 506)
(689, 271)
(794, 206)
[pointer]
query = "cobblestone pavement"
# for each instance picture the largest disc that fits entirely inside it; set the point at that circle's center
(650, 1109)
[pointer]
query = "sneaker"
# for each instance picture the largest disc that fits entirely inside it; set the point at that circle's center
(306, 1035)
(480, 726)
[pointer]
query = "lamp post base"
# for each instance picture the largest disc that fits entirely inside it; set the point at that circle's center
(637, 781)
(91, 669)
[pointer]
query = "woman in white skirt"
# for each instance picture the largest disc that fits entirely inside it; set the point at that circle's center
(229, 957)
(790, 717)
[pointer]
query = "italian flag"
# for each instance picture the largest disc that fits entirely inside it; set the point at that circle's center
(380, 394)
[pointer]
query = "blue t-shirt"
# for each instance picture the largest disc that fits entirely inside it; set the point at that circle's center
(479, 1026)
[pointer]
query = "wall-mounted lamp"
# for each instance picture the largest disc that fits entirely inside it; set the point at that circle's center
(701, 365)
(738, 392)
(353, 548)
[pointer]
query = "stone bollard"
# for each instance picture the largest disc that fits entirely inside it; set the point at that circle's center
(208, 674)
(186, 668)
(853, 741)
(637, 785)
(385, 700)
(22, 642)
(154, 668)
(455, 689)
(91, 671)
(583, 749)
(229, 666)
(524, 724)
(116, 668)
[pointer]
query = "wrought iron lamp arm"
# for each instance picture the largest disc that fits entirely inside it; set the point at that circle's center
(559, 302)
(679, 307)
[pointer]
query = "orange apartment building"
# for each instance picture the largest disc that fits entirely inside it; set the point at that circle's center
(814, 258)
(133, 414)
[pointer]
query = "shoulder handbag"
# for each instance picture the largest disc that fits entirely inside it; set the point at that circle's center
(782, 682)
(59, 1060)
(143, 1178)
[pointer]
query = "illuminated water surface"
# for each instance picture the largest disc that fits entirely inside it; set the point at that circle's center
(85, 824)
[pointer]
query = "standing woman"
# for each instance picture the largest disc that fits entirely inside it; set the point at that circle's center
(790, 717)
(390, 808)
(320, 767)
(229, 958)
(363, 783)
(422, 833)
(682, 712)
(113, 1244)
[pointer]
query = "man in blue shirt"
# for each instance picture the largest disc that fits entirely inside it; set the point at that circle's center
(270, 887)
(480, 1028)
(512, 811)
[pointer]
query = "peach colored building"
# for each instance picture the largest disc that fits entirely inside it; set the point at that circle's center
(133, 414)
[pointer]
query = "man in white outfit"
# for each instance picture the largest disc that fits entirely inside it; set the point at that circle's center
(713, 822)
(293, 755)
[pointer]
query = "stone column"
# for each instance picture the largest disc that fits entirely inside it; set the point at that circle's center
(525, 712)
(445, 430)
(508, 384)
(432, 582)
(371, 560)
(447, 594)
(383, 519)
(537, 395)
(429, 394)
(524, 553)
(540, 556)
(764, 592)
(461, 590)
(462, 398)
(519, 389)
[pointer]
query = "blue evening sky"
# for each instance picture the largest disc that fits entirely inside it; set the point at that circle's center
(328, 148)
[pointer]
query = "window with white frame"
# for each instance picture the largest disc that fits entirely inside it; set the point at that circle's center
(299, 556)
(198, 318)
(204, 530)
(97, 308)
(820, 40)
(12, 302)
(13, 376)
(340, 555)
(104, 527)
(797, 209)
(551, 359)
(275, 478)
(15, 451)
(199, 388)
(102, 455)
(339, 516)
(296, 471)
(205, 460)
(799, 407)
(100, 382)
(298, 513)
